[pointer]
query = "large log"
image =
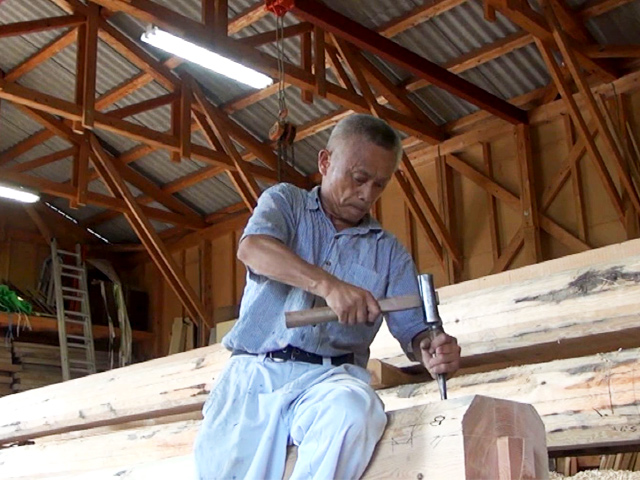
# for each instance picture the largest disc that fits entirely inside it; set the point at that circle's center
(588, 403)
(579, 305)
(467, 438)
(170, 385)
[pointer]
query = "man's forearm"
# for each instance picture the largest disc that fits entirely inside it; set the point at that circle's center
(269, 257)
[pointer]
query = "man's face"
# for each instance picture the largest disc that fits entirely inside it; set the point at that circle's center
(354, 176)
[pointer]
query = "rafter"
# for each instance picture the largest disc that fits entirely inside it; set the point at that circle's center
(42, 55)
(577, 117)
(331, 21)
(530, 221)
(569, 57)
(531, 21)
(148, 236)
(41, 161)
(265, 38)
(241, 178)
(34, 26)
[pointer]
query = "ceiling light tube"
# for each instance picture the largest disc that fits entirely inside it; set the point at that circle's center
(18, 193)
(205, 58)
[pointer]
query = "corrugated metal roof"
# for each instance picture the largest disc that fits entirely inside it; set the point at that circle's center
(620, 26)
(441, 39)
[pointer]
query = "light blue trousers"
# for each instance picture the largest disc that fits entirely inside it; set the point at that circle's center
(259, 406)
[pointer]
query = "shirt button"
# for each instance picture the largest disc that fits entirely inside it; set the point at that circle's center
(327, 263)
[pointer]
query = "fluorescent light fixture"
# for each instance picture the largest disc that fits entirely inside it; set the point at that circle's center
(19, 194)
(205, 58)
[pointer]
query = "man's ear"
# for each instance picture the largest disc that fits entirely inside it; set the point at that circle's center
(323, 161)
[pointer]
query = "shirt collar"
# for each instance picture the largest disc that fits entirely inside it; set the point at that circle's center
(368, 223)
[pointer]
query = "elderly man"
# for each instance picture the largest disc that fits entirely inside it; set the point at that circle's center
(308, 386)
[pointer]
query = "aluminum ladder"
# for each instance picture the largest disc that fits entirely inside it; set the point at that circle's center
(77, 352)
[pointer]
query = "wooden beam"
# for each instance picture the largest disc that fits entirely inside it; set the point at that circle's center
(417, 16)
(207, 285)
(513, 202)
(306, 63)
(41, 161)
(533, 22)
(80, 175)
(509, 254)
(338, 68)
(186, 99)
(494, 229)
(530, 222)
(396, 96)
(248, 17)
(265, 38)
(143, 106)
(447, 208)
(366, 39)
(25, 145)
(608, 140)
(138, 56)
(572, 294)
(34, 26)
(90, 66)
(576, 183)
(613, 51)
(596, 415)
(571, 23)
(132, 84)
(215, 15)
(577, 117)
(245, 183)
(415, 208)
(147, 234)
(319, 62)
(43, 228)
(42, 55)
(594, 8)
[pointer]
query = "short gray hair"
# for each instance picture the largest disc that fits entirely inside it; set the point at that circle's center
(370, 128)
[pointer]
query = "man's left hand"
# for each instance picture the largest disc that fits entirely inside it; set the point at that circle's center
(440, 355)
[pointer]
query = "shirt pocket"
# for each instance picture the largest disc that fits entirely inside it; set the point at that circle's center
(365, 277)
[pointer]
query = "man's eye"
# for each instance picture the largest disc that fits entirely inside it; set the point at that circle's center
(360, 180)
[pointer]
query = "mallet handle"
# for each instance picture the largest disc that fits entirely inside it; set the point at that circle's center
(325, 314)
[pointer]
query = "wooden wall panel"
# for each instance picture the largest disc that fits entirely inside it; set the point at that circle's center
(224, 263)
(22, 248)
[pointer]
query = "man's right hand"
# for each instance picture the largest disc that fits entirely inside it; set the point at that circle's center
(352, 304)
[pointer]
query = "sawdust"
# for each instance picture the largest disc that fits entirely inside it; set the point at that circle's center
(599, 475)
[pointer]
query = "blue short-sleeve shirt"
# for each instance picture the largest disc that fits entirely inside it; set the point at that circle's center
(365, 255)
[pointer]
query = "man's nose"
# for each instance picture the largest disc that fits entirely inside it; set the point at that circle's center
(367, 193)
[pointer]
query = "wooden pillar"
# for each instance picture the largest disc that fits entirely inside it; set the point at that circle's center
(447, 209)
(492, 204)
(576, 182)
(530, 224)
(206, 287)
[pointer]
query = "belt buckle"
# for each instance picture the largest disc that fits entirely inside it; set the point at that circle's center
(275, 359)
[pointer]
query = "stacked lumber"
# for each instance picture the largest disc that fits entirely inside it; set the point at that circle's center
(7, 369)
(561, 336)
(41, 364)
